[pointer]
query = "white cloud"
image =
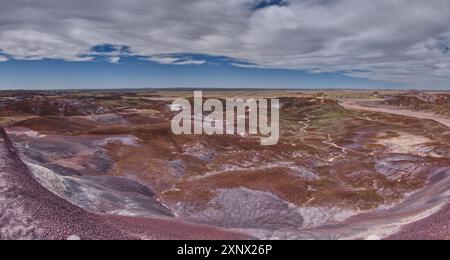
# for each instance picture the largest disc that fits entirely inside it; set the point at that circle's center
(114, 60)
(173, 60)
(400, 41)
(246, 66)
(80, 58)
(190, 62)
(163, 60)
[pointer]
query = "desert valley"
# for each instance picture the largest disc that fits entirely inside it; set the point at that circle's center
(105, 165)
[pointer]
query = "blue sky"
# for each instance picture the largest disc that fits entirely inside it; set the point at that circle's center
(140, 72)
(225, 44)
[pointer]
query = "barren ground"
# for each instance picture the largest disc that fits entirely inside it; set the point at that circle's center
(349, 165)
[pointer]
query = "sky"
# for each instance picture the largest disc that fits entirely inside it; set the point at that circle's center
(60, 44)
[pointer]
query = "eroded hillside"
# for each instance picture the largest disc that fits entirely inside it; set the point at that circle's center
(112, 153)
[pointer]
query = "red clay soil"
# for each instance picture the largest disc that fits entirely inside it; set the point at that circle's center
(435, 227)
(29, 211)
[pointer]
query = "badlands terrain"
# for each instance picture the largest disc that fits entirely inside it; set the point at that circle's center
(105, 165)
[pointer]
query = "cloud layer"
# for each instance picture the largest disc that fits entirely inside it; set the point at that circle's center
(403, 41)
(175, 60)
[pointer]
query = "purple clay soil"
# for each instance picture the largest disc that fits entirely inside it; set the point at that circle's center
(435, 227)
(29, 211)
